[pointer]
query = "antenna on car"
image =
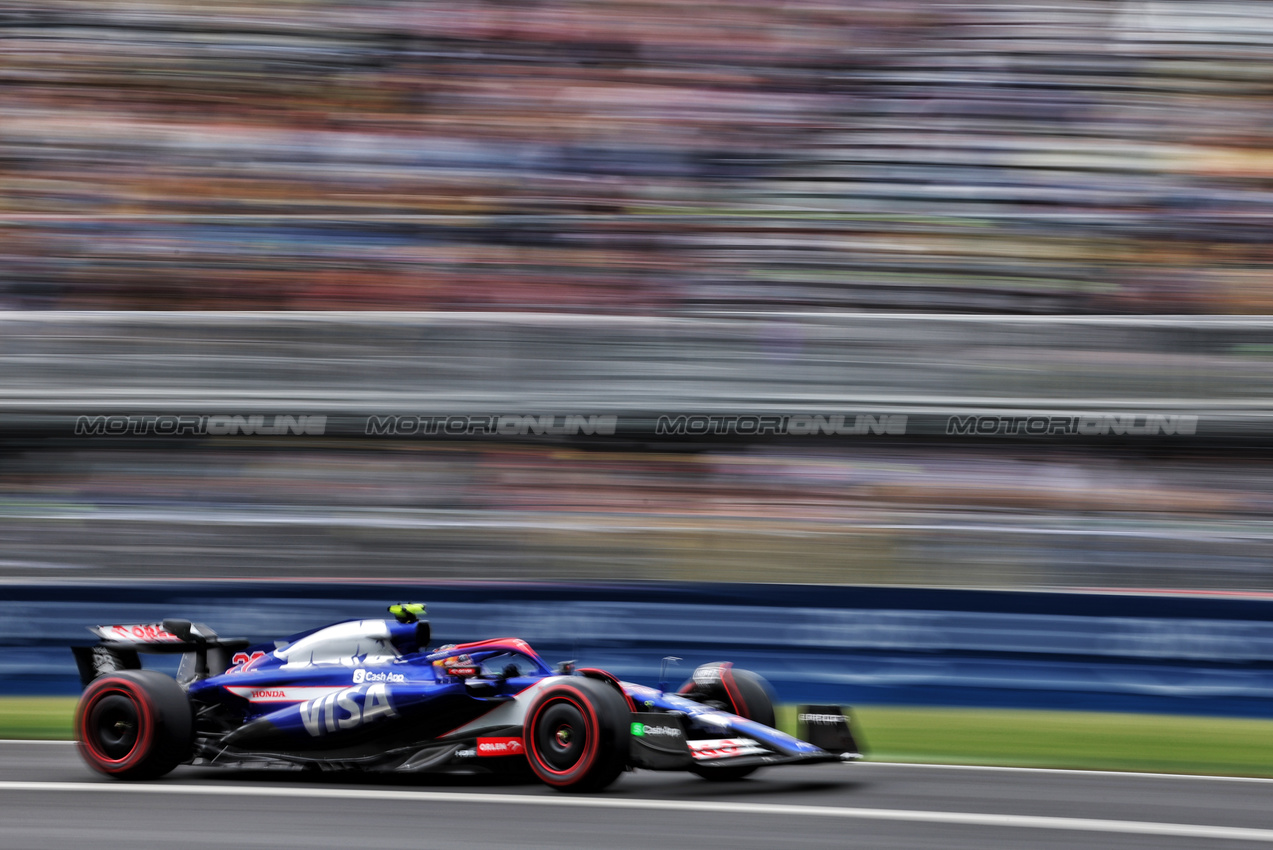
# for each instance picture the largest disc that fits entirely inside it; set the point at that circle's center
(667, 659)
(567, 668)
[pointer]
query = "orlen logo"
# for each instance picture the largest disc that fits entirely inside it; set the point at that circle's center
(148, 633)
(361, 675)
(500, 747)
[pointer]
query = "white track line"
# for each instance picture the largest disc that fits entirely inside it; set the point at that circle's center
(1064, 771)
(1060, 771)
(1169, 830)
(33, 741)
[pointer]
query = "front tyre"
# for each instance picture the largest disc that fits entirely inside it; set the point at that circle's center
(134, 724)
(577, 734)
(741, 692)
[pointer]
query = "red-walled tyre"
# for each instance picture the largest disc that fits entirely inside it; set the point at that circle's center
(577, 734)
(134, 724)
(738, 691)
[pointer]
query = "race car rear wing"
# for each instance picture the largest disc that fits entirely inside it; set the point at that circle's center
(119, 648)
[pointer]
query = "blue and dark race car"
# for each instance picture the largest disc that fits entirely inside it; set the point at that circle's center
(371, 695)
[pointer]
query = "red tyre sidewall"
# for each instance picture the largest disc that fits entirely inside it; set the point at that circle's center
(580, 700)
(89, 748)
(735, 695)
(742, 691)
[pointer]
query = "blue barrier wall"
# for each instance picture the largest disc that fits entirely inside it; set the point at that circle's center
(854, 645)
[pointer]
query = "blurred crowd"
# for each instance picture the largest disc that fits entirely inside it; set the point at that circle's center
(640, 156)
(751, 483)
(928, 515)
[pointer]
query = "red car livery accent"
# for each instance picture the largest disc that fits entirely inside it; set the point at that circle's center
(500, 747)
(242, 662)
(723, 748)
(141, 633)
(509, 643)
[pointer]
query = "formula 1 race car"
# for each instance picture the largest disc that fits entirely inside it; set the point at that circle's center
(370, 695)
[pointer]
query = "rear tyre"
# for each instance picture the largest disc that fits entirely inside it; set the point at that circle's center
(741, 692)
(134, 724)
(577, 734)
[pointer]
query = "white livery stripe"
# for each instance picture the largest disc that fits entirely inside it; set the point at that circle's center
(284, 694)
(452, 798)
(511, 713)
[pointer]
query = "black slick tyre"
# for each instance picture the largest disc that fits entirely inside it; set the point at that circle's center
(577, 734)
(740, 692)
(134, 724)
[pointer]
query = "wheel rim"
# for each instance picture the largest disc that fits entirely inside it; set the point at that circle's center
(114, 726)
(561, 736)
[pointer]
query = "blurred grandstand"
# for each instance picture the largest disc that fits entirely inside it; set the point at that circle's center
(1123, 506)
(638, 208)
(636, 157)
(914, 515)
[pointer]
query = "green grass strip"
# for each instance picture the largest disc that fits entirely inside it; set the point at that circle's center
(1063, 739)
(45, 718)
(1017, 738)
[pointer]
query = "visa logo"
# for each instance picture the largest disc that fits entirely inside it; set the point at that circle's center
(347, 709)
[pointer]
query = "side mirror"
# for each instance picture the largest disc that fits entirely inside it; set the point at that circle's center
(476, 687)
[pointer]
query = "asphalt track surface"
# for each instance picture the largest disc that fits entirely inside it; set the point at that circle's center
(51, 801)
